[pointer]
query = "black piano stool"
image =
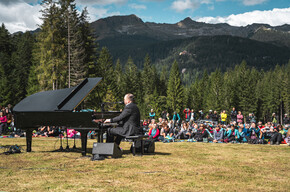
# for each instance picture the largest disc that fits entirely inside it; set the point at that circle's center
(136, 138)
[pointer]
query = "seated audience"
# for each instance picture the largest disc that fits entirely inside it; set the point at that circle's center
(218, 135)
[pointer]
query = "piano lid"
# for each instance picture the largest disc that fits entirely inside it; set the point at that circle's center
(58, 100)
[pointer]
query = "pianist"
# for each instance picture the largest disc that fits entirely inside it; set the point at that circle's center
(129, 121)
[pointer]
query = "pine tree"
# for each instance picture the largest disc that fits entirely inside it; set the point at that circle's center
(52, 69)
(175, 89)
(214, 100)
(132, 80)
(163, 80)
(22, 61)
(75, 46)
(5, 64)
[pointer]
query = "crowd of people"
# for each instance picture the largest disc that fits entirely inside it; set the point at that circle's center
(194, 127)
(216, 128)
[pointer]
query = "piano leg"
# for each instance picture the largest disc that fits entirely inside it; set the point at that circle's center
(28, 139)
(84, 138)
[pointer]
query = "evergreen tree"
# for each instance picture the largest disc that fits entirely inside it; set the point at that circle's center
(132, 80)
(215, 100)
(52, 69)
(5, 64)
(22, 61)
(175, 89)
(163, 81)
(75, 46)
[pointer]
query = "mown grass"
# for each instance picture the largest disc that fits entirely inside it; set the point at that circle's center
(174, 167)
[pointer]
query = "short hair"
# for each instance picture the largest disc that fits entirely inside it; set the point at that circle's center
(130, 96)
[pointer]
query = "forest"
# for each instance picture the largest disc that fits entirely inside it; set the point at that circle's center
(64, 51)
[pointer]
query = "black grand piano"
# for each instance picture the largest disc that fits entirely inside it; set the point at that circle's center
(56, 108)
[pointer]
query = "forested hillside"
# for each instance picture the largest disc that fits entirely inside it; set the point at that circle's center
(201, 72)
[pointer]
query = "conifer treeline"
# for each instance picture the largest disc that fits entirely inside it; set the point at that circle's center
(33, 63)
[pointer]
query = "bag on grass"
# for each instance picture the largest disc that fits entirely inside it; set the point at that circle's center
(149, 146)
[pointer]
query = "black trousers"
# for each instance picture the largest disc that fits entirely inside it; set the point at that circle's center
(115, 135)
(277, 137)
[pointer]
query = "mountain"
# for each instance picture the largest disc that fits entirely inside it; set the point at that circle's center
(195, 45)
(132, 25)
(200, 52)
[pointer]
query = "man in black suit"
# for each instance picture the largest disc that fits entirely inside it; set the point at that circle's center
(129, 121)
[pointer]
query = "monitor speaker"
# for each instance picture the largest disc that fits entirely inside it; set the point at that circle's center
(107, 149)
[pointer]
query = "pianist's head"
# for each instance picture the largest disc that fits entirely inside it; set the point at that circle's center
(129, 98)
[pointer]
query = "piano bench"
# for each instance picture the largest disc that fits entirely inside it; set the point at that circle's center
(134, 140)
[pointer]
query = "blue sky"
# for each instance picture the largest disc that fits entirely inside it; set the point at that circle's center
(21, 15)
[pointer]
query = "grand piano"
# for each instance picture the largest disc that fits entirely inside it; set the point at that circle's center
(56, 108)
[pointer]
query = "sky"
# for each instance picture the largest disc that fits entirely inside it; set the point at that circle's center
(23, 15)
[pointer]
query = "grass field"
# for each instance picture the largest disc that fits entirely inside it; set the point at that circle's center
(175, 167)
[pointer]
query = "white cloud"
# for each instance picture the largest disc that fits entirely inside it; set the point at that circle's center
(253, 2)
(182, 5)
(97, 13)
(273, 17)
(246, 2)
(100, 2)
(137, 6)
(20, 16)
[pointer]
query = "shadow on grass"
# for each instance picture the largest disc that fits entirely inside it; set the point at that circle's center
(89, 151)
(125, 152)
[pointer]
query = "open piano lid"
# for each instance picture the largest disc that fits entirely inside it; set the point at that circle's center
(58, 100)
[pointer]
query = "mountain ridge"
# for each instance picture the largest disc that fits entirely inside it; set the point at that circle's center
(133, 25)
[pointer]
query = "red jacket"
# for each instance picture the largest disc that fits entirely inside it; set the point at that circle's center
(187, 114)
(3, 119)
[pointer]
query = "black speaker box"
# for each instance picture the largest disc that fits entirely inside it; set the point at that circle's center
(107, 149)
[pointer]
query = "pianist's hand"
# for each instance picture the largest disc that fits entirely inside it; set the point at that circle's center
(107, 121)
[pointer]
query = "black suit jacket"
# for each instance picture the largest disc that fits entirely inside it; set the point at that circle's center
(129, 120)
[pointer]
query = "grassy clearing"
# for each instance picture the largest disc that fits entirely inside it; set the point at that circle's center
(174, 167)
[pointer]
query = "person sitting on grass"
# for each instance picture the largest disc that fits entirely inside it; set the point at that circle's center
(166, 130)
(240, 135)
(153, 132)
(53, 131)
(254, 133)
(201, 133)
(185, 132)
(287, 138)
(3, 122)
(218, 135)
(41, 132)
(230, 134)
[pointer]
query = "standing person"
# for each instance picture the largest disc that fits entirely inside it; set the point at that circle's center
(201, 115)
(286, 119)
(163, 114)
(168, 117)
(210, 115)
(187, 114)
(130, 118)
(215, 117)
(224, 117)
(152, 114)
(176, 118)
(234, 115)
(240, 117)
(192, 115)
(274, 119)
